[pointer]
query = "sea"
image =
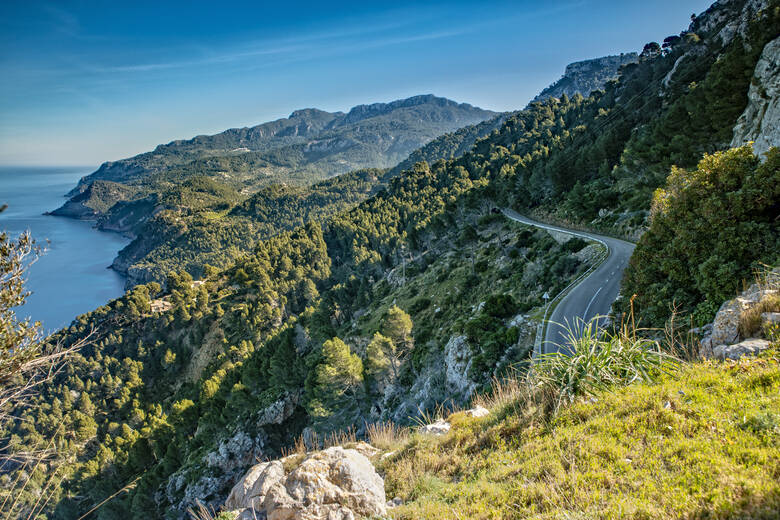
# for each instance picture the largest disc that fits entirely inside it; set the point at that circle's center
(71, 276)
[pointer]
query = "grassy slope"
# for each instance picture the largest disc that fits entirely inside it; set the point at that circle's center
(702, 442)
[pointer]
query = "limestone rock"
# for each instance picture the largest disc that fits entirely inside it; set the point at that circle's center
(278, 411)
(749, 347)
(440, 427)
(760, 122)
(333, 484)
(251, 490)
(457, 362)
(770, 319)
(479, 411)
(725, 326)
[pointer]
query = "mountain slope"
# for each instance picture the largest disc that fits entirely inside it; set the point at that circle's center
(325, 143)
(186, 387)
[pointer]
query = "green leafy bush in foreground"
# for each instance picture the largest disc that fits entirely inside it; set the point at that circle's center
(709, 227)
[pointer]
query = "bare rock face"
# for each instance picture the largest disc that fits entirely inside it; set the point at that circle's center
(760, 122)
(333, 484)
(749, 347)
(457, 361)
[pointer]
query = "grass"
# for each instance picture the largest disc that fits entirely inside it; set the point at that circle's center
(387, 436)
(597, 361)
(698, 441)
(750, 319)
(767, 279)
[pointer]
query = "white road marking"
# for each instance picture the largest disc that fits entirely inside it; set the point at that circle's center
(584, 314)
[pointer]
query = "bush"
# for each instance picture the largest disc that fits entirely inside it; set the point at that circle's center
(500, 305)
(708, 228)
(597, 361)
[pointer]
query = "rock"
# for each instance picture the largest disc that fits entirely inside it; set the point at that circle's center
(770, 319)
(251, 490)
(479, 411)
(725, 329)
(278, 411)
(395, 502)
(440, 427)
(749, 347)
(251, 514)
(760, 122)
(336, 483)
(457, 362)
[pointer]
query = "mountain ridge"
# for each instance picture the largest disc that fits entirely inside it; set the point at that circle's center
(434, 116)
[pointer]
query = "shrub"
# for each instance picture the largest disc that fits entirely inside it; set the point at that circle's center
(708, 227)
(500, 305)
(598, 360)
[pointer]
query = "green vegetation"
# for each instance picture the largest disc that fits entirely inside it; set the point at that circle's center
(700, 441)
(709, 227)
(333, 305)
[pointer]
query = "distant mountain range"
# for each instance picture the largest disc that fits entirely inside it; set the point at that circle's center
(178, 197)
(310, 144)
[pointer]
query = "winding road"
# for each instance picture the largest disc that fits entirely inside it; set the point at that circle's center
(591, 297)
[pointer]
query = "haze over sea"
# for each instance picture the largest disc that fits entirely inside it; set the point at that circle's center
(71, 277)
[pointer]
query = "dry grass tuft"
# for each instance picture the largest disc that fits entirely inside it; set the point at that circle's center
(750, 319)
(386, 436)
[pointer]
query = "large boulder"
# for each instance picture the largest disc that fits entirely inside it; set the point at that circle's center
(749, 347)
(334, 484)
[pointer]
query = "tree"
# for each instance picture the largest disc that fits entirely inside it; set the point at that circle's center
(338, 379)
(380, 354)
(398, 327)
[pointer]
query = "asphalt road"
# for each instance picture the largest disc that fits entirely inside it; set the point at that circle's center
(593, 296)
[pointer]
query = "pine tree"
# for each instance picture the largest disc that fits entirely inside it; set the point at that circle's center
(398, 327)
(338, 380)
(376, 356)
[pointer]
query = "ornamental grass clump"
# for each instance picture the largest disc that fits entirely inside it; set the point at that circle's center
(597, 360)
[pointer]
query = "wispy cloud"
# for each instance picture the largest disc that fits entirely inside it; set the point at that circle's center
(293, 49)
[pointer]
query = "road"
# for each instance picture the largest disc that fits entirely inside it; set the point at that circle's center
(594, 295)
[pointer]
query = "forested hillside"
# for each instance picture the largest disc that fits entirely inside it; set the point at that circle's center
(413, 295)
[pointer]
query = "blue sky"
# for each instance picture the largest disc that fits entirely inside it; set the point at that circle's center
(85, 82)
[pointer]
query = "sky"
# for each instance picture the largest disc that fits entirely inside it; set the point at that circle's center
(87, 82)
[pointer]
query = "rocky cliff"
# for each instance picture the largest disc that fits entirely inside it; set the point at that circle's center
(583, 77)
(760, 122)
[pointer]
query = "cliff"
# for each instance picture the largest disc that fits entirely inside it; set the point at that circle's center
(760, 122)
(583, 77)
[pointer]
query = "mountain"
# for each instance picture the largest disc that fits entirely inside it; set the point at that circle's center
(583, 77)
(309, 144)
(422, 296)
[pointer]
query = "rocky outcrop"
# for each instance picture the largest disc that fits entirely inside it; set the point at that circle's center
(209, 479)
(749, 347)
(335, 483)
(583, 77)
(760, 122)
(457, 362)
(722, 339)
